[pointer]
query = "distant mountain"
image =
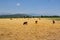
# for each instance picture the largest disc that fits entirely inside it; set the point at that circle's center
(14, 16)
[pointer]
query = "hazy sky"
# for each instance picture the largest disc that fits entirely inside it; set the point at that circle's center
(37, 7)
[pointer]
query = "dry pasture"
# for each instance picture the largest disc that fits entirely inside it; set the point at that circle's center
(14, 29)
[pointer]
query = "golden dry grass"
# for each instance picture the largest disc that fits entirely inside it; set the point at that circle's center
(15, 30)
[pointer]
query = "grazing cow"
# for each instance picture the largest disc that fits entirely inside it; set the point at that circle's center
(36, 22)
(25, 23)
(53, 22)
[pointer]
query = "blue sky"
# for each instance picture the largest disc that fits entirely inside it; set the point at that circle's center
(33, 7)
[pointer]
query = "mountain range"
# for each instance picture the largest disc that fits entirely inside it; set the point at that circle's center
(18, 15)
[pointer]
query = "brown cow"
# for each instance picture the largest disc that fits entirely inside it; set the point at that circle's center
(39, 18)
(36, 22)
(25, 23)
(10, 18)
(53, 22)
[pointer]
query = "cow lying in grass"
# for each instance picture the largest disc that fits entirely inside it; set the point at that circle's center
(10, 18)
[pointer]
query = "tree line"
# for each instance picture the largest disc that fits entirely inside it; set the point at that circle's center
(8, 16)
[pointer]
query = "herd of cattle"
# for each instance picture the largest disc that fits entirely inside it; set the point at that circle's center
(25, 23)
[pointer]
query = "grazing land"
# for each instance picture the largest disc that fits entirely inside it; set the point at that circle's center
(16, 29)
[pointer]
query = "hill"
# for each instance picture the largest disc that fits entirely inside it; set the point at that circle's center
(15, 16)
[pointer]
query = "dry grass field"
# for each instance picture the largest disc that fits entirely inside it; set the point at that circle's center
(44, 29)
